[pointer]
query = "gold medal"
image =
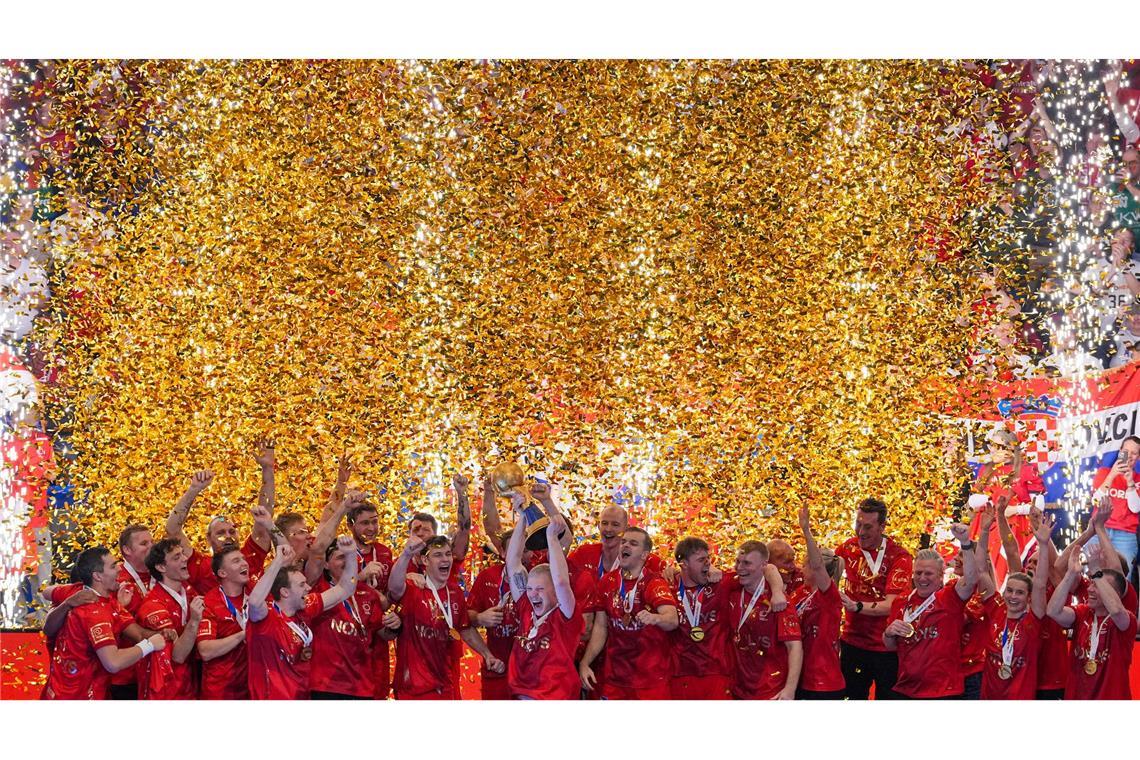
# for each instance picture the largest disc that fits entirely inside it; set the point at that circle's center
(306, 654)
(1090, 667)
(909, 630)
(697, 633)
(453, 633)
(1005, 672)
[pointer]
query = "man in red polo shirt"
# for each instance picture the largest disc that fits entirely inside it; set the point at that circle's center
(635, 610)
(134, 584)
(1103, 631)
(767, 650)
(86, 651)
(700, 642)
(170, 606)
(348, 637)
(278, 636)
(877, 571)
(221, 634)
(434, 617)
(925, 626)
(542, 661)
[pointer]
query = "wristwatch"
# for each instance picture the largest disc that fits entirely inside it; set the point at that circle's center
(858, 607)
(1097, 575)
(968, 546)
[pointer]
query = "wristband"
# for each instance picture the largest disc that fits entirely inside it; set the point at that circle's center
(1097, 575)
(145, 646)
(858, 607)
(968, 545)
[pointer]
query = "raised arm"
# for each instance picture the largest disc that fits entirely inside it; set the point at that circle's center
(346, 586)
(544, 494)
(398, 578)
(462, 538)
(326, 532)
(176, 520)
(258, 598)
(1008, 542)
(1111, 557)
(987, 583)
(1039, 597)
(336, 495)
(1102, 509)
(267, 496)
(1061, 613)
(492, 525)
(1104, 588)
(815, 566)
(516, 573)
(559, 570)
(965, 587)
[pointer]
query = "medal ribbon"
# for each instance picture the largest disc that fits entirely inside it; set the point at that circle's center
(303, 632)
(533, 632)
(137, 579)
(804, 603)
(1006, 645)
(1094, 637)
(350, 605)
(909, 615)
(744, 613)
(180, 598)
(628, 599)
(874, 564)
(241, 616)
(602, 565)
(446, 610)
(692, 614)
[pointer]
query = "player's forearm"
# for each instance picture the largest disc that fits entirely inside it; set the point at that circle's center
(211, 649)
(55, 619)
(1060, 595)
(597, 639)
(969, 575)
(880, 608)
(460, 543)
(267, 496)
(472, 638)
(668, 619)
(184, 644)
(398, 578)
(1109, 597)
(258, 608)
(345, 586)
(795, 663)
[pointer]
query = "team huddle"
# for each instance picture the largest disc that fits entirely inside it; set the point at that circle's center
(609, 619)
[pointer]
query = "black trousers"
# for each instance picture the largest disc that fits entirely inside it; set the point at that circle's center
(804, 694)
(332, 695)
(125, 691)
(1050, 694)
(861, 667)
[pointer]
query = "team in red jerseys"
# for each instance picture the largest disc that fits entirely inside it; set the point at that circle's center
(608, 620)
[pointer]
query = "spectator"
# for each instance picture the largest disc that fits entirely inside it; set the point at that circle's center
(1127, 339)
(1126, 193)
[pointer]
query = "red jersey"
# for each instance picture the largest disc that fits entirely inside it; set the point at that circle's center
(793, 580)
(491, 589)
(58, 596)
(134, 592)
(1117, 488)
(820, 613)
(1024, 635)
(637, 656)
(75, 671)
(343, 637)
(930, 661)
(1113, 657)
(381, 555)
(202, 578)
(587, 558)
(863, 585)
(542, 665)
(425, 659)
(278, 667)
(1053, 659)
(225, 677)
(710, 655)
(759, 655)
(160, 610)
(975, 631)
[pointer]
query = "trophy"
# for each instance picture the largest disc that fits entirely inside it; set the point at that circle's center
(509, 479)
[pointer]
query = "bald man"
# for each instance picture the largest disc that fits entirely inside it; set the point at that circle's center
(783, 556)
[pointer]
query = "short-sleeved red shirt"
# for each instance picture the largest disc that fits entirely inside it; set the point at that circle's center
(1025, 634)
(134, 595)
(1113, 657)
(277, 668)
(75, 671)
(760, 654)
(637, 656)
(893, 577)
(710, 655)
(930, 661)
(820, 613)
(425, 652)
(1117, 488)
(542, 666)
(343, 637)
(225, 677)
(160, 611)
(491, 589)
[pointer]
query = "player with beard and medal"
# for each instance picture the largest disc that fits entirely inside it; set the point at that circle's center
(86, 650)
(766, 646)
(925, 626)
(700, 642)
(434, 617)
(1103, 630)
(820, 611)
(635, 609)
(279, 638)
(173, 608)
(876, 571)
(348, 636)
(541, 664)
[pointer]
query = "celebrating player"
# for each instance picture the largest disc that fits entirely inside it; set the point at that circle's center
(173, 608)
(766, 643)
(221, 633)
(700, 642)
(820, 610)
